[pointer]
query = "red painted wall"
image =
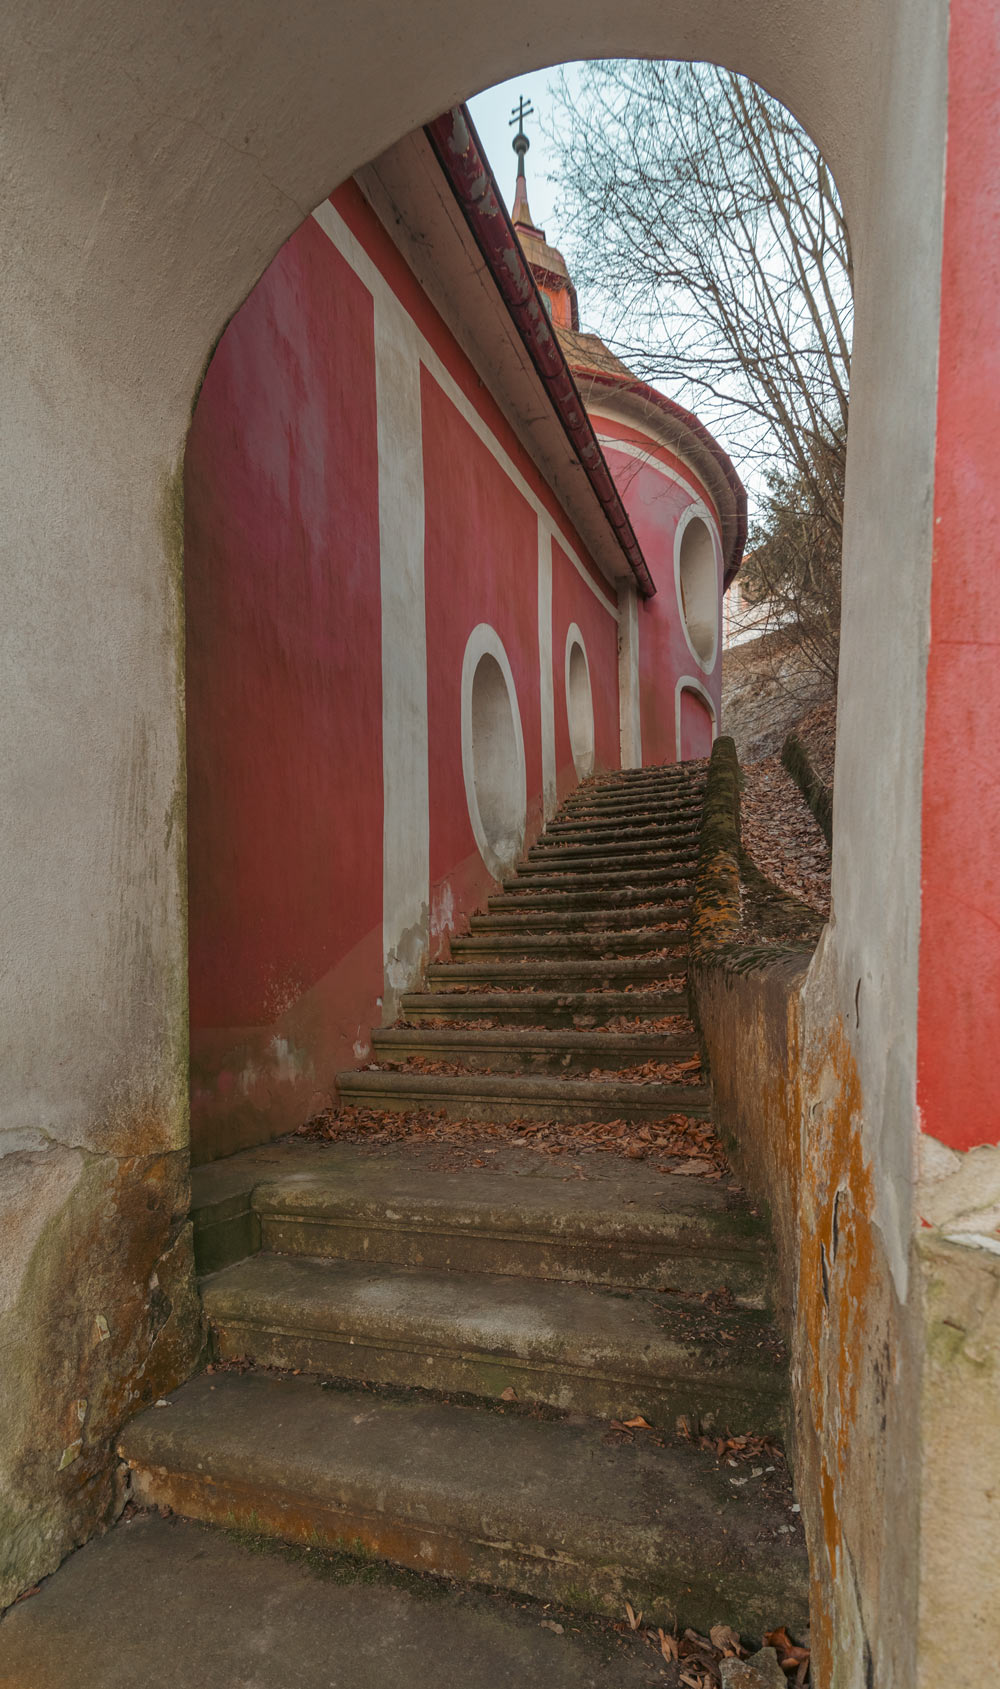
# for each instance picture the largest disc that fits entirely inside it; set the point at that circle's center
(285, 662)
(480, 565)
(959, 1005)
(573, 601)
(696, 726)
(283, 696)
(655, 504)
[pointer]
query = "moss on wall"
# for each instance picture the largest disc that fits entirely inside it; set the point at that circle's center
(795, 759)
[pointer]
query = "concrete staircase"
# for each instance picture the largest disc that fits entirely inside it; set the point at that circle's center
(437, 1365)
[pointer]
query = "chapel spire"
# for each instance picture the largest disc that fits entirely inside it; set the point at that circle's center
(547, 265)
(521, 215)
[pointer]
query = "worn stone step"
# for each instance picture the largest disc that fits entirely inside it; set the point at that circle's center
(640, 818)
(542, 1008)
(514, 1049)
(604, 898)
(667, 835)
(618, 1226)
(542, 1507)
(664, 837)
(650, 797)
(512, 1096)
(644, 812)
(141, 1605)
(595, 973)
(582, 1348)
(670, 915)
(635, 941)
(669, 777)
(656, 879)
(547, 859)
(630, 813)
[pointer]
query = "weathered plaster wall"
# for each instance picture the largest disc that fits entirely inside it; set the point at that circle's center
(154, 166)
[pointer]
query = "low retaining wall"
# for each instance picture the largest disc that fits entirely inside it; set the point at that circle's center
(786, 1104)
(796, 760)
(747, 1003)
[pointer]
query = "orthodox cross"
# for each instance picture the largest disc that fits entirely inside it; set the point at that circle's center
(520, 143)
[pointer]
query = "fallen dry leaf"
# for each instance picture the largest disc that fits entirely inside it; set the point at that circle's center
(637, 1424)
(725, 1640)
(634, 1619)
(668, 1645)
(508, 1395)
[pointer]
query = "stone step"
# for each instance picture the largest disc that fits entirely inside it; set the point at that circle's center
(656, 806)
(543, 1507)
(588, 973)
(666, 777)
(660, 915)
(620, 1227)
(578, 834)
(653, 881)
(542, 1008)
(514, 1049)
(552, 858)
(580, 945)
(641, 818)
(607, 899)
(629, 813)
(581, 1348)
(141, 1605)
(511, 1096)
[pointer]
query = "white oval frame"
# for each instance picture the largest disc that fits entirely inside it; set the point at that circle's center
(484, 641)
(697, 508)
(575, 637)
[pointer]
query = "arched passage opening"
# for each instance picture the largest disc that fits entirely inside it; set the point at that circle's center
(339, 253)
(168, 208)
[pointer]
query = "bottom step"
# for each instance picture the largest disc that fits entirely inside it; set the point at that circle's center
(562, 1511)
(167, 1602)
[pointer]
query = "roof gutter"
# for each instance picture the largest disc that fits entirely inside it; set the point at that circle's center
(460, 154)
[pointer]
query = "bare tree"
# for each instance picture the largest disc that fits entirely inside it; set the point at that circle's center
(705, 224)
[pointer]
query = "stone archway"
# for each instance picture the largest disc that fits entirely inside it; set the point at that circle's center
(155, 169)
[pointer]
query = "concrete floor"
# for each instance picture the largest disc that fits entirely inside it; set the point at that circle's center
(167, 1602)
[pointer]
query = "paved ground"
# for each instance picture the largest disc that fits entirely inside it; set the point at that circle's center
(166, 1602)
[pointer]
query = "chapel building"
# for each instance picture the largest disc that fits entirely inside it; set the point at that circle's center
(445, 558)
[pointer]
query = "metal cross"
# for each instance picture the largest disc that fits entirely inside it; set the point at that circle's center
(523, 109)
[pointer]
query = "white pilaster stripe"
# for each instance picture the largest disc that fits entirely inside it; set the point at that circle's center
(406, 824)
(545, 683)
(630, 714)
(350, 248)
